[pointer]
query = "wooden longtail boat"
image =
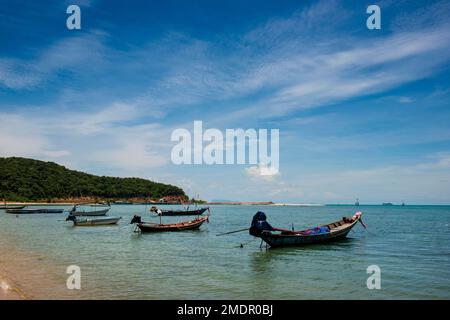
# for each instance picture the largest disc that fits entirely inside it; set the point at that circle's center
(8, 207)
(93, 213)
(34, 211)
(187, 212)
(274, 237)
(179, 226)
(93, 222)
(101, 204)
(122, 202)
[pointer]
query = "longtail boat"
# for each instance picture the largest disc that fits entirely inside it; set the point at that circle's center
(186, 212)
(8, 207)
(34, 211)
(92, 213)
(275, 237)
(180, 226)
(100, 204)
(93, 222)
(122, 202)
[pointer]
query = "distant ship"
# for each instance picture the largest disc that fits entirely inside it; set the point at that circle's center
(357, 202)
(403, 203)
(387, 204)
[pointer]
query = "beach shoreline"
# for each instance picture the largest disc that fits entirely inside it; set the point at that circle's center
(28, 275)
(9, 289)
(231, 203)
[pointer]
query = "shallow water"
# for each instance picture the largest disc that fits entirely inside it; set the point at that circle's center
(410, 244)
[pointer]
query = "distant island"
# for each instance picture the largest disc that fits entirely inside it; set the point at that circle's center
(241, 203)
(27, 180)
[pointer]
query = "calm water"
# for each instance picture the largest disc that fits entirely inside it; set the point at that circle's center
(410, 244)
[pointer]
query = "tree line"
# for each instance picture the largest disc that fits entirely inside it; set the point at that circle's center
(24, 179)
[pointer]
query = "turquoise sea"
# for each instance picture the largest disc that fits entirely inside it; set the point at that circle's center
(410, 244)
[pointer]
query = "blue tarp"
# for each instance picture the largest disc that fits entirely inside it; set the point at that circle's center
(319, 230)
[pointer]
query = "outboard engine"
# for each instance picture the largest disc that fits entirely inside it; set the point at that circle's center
(136, 219)
(259, 224)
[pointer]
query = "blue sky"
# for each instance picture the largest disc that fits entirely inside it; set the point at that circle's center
(362, 113)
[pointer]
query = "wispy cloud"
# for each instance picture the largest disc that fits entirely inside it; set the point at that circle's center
(73, 54)
(108, 102)
(98, 139)
(283, 72)
(396, 183)
(283, 65)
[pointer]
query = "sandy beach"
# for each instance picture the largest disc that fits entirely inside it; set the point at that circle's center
(28, 275)
(9, 290)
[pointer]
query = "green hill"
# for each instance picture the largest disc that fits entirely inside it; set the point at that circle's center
(33, 180)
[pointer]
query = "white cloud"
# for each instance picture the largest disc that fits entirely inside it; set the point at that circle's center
(261, 171)
(19, 137)
(56, 153)
(420, 183)
(405, 100)
(85, 123)
(135, 148)
(426, 182)
(368, 67)
(98, 139)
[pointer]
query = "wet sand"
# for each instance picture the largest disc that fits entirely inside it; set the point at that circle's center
(9, 290)
(26, 275)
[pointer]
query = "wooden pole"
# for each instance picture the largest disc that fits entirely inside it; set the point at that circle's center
(230, 232)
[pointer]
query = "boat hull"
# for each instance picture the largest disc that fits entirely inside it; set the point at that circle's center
(187, 225)
(8, 207)
(96, 222)
(34, 211)
(338, 231)
(183, 212)
(282, 241)
(96, 213)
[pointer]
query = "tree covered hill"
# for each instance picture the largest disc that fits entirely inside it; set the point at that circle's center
(32, 180)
